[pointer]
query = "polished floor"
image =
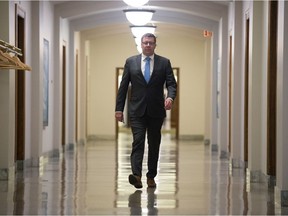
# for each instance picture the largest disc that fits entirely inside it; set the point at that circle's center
(92, 179)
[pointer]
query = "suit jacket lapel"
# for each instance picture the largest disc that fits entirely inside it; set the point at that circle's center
(156, 63)
(138, 61)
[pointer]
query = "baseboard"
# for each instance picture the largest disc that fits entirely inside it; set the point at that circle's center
(237, 163)
(281, 198)
(207, 141)
(224, 155)
(196, 137)
(214, 147)
(100, 137)
(7, 174)
(256, 176)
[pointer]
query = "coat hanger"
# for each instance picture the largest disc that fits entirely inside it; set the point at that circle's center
(9, 61)
(21, 64)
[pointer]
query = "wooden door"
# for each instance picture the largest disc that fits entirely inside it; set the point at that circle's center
(230, 94)
(272, 88)
(246, 92)
(63, 94)
(76, 95)
(20, 88)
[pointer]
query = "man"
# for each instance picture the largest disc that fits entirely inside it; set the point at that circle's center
(147, 105)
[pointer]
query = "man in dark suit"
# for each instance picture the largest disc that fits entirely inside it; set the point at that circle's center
(148, 73)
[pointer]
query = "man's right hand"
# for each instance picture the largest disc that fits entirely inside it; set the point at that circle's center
(119, 116)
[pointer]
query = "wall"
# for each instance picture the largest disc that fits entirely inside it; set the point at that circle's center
(281, 189)
(47, 32)
(38, 141)
(28, 76)
(105, 55)
(257, 13)
(77, 40)
(237, 68)
(7, 105)
(62, 38)
(188, 53)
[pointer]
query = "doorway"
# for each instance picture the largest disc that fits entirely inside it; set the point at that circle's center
(230, 95)
(20, 90)
(76, 94)
(272, 88)
(246, 92)
(63, 94)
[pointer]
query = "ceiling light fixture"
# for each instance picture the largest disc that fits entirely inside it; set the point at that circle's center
(139, 31)
(139, 16)
(135, 3)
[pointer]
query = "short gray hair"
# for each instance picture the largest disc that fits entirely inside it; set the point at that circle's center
(148, 35)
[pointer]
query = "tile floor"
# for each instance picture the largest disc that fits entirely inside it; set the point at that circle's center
(92, 179)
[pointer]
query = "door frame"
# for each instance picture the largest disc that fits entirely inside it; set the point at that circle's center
(230, 95)
(63, 130)
(20, 87)
(246, 91)
(272, 88)
(76, 93)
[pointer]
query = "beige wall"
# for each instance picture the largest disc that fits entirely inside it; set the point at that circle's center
(188, 54)
(185, 52)
(106, 53)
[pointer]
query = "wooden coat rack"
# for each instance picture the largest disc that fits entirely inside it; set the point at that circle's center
(9, 59)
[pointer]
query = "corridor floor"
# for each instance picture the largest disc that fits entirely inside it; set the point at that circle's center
(92, 179)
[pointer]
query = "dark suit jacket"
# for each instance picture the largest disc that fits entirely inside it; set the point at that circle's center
(146, 96)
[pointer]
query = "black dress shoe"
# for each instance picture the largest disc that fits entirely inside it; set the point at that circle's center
(135, 180)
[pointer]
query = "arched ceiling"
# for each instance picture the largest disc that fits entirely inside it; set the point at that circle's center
(186, 17)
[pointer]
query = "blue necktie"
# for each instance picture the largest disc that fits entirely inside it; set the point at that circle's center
(147, 69)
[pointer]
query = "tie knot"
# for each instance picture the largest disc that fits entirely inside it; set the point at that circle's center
(147, 58)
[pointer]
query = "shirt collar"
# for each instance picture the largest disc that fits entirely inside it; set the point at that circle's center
(151, 57)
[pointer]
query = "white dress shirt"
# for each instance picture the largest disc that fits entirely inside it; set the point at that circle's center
(143, 62)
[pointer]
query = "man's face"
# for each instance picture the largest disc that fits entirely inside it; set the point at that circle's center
(148, 46)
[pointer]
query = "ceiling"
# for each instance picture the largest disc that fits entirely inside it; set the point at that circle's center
(185, 17)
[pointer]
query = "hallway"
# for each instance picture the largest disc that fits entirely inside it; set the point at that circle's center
(92, 180)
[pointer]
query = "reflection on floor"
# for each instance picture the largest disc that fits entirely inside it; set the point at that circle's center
(93, 180)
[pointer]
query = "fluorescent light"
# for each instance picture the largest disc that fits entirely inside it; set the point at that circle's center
(139, 31)
(139, 16)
